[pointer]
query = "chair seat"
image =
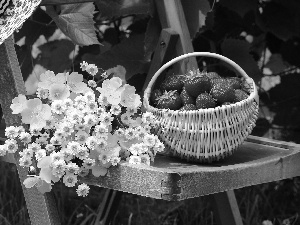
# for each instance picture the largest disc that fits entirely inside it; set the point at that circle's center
(258, 160)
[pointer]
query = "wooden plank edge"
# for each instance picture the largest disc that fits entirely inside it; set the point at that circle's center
(272, 142)
(62, 2)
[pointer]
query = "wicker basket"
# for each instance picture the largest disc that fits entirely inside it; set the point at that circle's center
(205, 135)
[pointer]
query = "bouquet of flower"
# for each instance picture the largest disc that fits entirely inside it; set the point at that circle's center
(71, 128)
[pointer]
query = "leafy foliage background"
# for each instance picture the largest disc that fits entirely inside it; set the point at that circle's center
(262, 36)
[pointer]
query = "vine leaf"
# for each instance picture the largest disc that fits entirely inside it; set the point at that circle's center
(195, 13)
(129, 53)
(276, 64)
(276, 18)
(241, 7)
(76, 22)
(54, 55)
(238, 51)
(117, 8)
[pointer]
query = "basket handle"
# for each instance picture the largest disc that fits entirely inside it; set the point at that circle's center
(238, 69)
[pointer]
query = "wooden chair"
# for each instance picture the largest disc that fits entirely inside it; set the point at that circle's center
(258, 160)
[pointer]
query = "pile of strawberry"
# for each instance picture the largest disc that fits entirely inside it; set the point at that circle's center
(198, 90)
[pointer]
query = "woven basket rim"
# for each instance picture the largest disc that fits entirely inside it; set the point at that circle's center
(253, 95)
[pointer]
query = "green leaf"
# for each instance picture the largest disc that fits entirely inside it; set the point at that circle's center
(281, 19)
(117, 8)
(55, 55)
(241, 7)
(276, 64)
(195, 13)
(128, 53)
(238, 51)
(76, 21)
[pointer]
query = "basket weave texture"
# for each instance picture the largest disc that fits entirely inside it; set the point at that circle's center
(205, 135)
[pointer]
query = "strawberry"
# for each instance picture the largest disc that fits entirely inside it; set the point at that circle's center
(197, 83)
(154, 96)
(172, 82)
(222, 93)
(212, 75)
(217, 81)
(204, 101)
(235, 82)
(188, 107)
(169, 100)
(186, 98)
(240, 95)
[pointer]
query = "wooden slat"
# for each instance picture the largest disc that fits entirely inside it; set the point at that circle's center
(226, 208)
(61, 2)
(163, 52)
(171, 15)
(41, 207)
(173, 179)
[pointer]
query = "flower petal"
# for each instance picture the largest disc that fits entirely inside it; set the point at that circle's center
(98, 171)
(29, 182)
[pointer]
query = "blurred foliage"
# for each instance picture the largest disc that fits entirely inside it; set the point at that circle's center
(262, 36)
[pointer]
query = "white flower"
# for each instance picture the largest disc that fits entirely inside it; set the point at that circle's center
(70, 180)
(11, 132)
(3, 150)
(48, 79)
(25, 137)
(25, 162)
(92, 69)
(34, 146)
(36, 114)
(68, 154)
(110, 86)
(90, 120)
(81, 137)
(59, 168)
(40, 154)
(72, 168)
(115, 160)
(118, 71)
(115, 109)
(75, 83)
(56, 156)
(150, 140)
(135, 159)
(82, 190)
(59, 92)
(50, 148)
(83, 65)
(74, 146)
(92, 83)
(82, 153)
(88, 163)
(42, 93)
(91, 142)
(57, 106)
(26, 153)
(145, 159)
(129, 98)
(12, 145)
(18, 104)
(106, 118)
(148, 118)
(130, 133)
(126, 118)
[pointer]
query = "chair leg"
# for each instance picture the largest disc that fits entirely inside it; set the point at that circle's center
(109, 206)
(226, 208)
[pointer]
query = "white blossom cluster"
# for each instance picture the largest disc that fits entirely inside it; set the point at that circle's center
(75, 128)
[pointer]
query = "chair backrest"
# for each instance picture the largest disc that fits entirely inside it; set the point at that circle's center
(41, 207)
